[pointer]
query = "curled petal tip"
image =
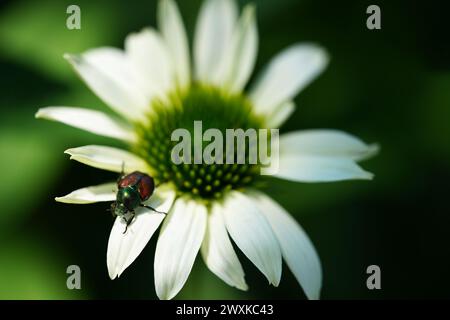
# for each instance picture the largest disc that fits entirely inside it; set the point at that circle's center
(374, 149)
(39, 113)
(69, 57)
(113, 276)
(243, 287)
(69, 152)
(368, 176)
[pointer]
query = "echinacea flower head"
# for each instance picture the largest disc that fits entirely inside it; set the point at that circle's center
(155, 87)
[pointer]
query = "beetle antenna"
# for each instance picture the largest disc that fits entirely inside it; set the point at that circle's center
(153, 209)
(122, 172)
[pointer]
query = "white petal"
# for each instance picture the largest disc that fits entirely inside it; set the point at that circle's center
(151, 62)
(107, 158)
(124, 248)
(252, 233)
(213, 37)
(90, 120)
(218, 252)
(330, 143)
(287, 74)
(173, 31)
(244, 48)
(319, 169)
(280, 115)
(108, 73)
(100, 193)
(297, 249)
(178, 244)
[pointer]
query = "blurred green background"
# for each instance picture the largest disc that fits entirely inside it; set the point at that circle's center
(390, 86)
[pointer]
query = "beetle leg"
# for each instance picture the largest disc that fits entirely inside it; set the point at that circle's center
(122, 172)
(128, 221)
(126, 226)
(153, 209)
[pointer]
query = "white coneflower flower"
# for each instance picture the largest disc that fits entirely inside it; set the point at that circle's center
(151, 87)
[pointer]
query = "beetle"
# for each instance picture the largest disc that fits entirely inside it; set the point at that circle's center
(133, 189)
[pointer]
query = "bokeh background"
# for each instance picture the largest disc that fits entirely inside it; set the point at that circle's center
(390, 86)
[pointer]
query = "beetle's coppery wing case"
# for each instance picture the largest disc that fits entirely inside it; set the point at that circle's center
(144, 183)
